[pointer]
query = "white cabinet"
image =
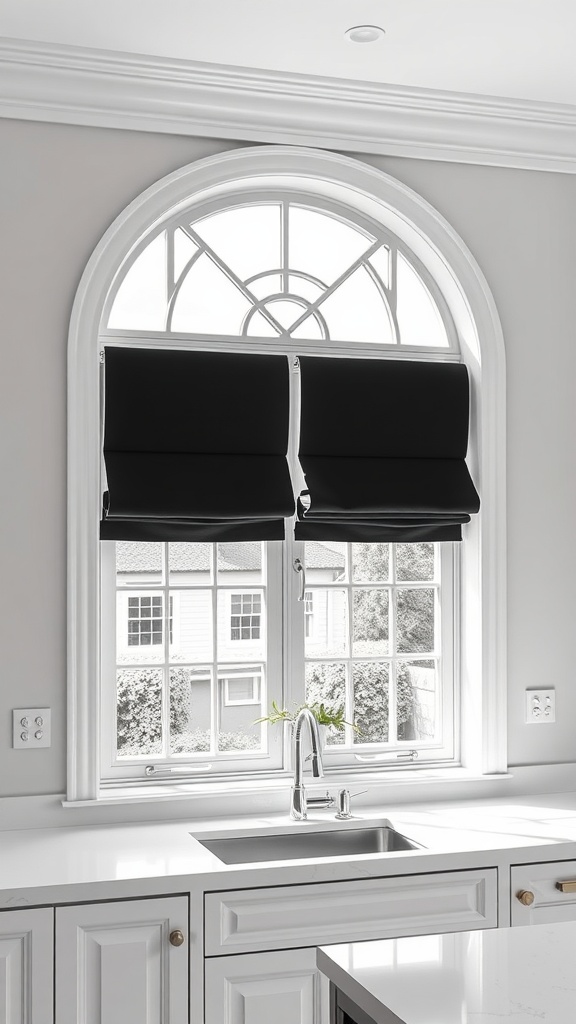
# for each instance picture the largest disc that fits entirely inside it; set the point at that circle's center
(26, 966)
(261, 988)
(537, 896)
(115, 963)
(261, 943)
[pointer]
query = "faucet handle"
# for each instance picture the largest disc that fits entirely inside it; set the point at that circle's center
(344, 802)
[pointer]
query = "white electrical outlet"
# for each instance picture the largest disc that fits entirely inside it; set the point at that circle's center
(540, 706)
(31, 728)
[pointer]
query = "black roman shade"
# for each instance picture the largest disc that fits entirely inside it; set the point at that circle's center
(195, 446)
(382, 448)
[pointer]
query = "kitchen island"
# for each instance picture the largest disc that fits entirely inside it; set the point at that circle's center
(496, 976)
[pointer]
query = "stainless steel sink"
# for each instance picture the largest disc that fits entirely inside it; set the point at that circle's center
(297, 845)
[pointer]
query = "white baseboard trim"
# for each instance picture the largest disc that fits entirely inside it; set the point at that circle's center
(52, 811)
(111, 89)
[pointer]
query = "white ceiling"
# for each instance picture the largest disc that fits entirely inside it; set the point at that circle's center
(521, 49)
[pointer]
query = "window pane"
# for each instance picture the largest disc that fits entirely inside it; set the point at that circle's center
(356, 311)
(191, 626)
(415, 562)
(208, 301)
(371, 701)
(247, 238)
(138, 563)
(325, 561)
(370, 623)
(417, 700)
(330, 636)
(184, 249)
(241, 629)
(299, 285)
(190, 710)
(258, 326)
(419, 321)
(240, 563)
(141, 301)
(189, 564)
(322, 246)
(381, 263)
(139, 711)
(370, 563)
(285, 311)
(268, 284)
(311, 328)
(238, 727)
(326, 684)
(415, 621)
(139, 628)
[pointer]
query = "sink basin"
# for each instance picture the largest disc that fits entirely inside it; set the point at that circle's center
(296, 845)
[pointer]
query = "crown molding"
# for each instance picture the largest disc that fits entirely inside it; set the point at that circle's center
(111, 89)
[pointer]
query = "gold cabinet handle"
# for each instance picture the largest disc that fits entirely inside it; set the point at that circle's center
(566, 886)
(526, 897)
(177, 937)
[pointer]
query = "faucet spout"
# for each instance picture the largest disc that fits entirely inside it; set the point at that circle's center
(298, 809)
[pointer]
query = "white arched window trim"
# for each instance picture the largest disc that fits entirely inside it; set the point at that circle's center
(447, 259)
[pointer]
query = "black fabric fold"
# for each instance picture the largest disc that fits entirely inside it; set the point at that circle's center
(195, 446)
(382, 448)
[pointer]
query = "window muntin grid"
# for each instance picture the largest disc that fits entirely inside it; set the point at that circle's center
(283, 269)
(173, 699)
(377, 649)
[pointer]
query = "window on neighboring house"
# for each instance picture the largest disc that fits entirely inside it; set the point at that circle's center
(375, 632)
(241, 690)
(245, 613)
(146, 620)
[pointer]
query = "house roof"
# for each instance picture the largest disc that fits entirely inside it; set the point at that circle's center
(146, 556)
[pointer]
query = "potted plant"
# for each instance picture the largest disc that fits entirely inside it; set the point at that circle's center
(327, 718)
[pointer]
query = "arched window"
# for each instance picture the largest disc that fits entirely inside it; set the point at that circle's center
(286, 267)
(179, 647)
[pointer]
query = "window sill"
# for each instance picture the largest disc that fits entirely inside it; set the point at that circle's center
(271, 795)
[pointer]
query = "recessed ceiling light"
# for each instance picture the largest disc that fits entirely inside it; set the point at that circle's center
(364, 33)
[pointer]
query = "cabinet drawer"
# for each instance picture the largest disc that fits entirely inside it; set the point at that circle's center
(308, 915)
(549, 904)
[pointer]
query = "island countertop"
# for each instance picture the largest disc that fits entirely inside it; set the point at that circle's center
(498, 976)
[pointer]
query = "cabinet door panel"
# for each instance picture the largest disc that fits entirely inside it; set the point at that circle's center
(260, 988)
(550, 905)
(26, 966)
(115, 963)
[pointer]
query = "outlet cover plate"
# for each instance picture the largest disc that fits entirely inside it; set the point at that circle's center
(31, 728)
(540, 706)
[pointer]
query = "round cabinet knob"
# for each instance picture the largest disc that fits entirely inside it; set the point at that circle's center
(526, 897)
(177, 937)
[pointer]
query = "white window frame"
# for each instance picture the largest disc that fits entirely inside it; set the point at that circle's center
(451, 266)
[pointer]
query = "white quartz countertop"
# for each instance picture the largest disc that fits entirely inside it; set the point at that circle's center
(499, 976)
(167, 857)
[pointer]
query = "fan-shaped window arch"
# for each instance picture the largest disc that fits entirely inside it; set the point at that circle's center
(282, 266)
(332, 235)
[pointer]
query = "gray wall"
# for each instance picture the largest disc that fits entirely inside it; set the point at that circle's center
(60, 187)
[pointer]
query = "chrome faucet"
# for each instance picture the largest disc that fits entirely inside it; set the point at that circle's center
(298, 801)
